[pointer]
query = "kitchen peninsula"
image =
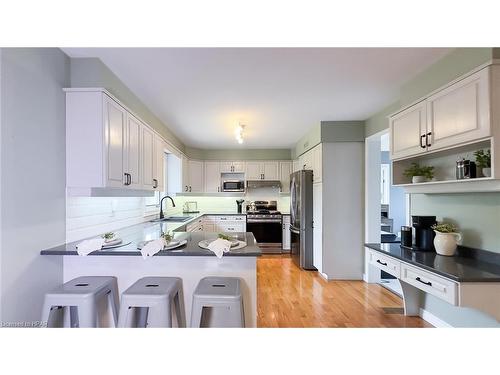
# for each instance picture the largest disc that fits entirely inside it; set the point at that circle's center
(189, 262)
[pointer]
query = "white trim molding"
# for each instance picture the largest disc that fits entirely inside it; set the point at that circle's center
(433, 319)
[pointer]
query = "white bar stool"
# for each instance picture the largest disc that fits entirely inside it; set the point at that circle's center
(77, 301)
(149, 302)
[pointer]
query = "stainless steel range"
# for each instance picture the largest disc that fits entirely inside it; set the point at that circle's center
(264, 221)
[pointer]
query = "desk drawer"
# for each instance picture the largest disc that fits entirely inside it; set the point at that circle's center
(430, 283)
(387, 264)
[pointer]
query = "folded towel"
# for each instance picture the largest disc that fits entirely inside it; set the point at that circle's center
(88, 246)
(151, 248)
(219, 247)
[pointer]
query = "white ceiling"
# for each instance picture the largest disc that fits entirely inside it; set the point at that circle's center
(279, 93)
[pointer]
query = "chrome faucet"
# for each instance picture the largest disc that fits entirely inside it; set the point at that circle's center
(161, 205)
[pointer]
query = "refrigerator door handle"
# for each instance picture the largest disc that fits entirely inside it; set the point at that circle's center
(294, 230)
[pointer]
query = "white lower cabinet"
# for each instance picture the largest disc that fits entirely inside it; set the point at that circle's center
(221, 223)
(195, 226)
(318, 226)
(386, 264)
(430, 283)
(286, 232)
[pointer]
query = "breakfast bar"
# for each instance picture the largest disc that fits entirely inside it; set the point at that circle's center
(189, 262)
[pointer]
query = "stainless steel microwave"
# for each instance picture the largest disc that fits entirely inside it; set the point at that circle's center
(233, 185)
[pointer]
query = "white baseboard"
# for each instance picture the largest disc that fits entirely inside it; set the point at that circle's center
(365, 278)
(324, 275)
(433, 319)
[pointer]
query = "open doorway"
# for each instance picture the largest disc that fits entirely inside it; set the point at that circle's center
(386, 207)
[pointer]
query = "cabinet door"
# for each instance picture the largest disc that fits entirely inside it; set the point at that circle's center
(185, 174)
(226, 166)
(115, 120)
(318, 226)
(459, 113)
(196, 180)
(239, 167)
(286, 232)
(270, 169)
(212, 176)
(317, 163)
(254, 170)
(159, 164)
(147, 157)
(133, 151)
(407, 131)
(296, 165)
(285, 171)
(208, 227)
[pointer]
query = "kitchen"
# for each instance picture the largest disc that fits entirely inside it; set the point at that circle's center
(157, 189)
(129, 180)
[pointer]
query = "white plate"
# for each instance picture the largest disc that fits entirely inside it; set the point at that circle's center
(113, 242)
(120, 244)
(172, 245)
(204, 244)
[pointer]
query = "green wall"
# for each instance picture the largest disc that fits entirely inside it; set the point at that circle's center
(92, 72)
(379, 121)
(330, 131)
(239, 154)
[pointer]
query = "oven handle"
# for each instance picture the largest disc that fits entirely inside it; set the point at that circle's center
(264, 221)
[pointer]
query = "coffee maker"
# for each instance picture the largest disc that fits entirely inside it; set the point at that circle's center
(424, 234)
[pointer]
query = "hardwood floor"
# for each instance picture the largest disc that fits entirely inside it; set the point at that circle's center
(290, 297)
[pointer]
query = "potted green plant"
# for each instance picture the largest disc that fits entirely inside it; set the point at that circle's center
(446, 239)
(483, 161)
(419, 173)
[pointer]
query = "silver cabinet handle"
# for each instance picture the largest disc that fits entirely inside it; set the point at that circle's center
(155, 183)
(190, 189)
(128, 179)
(186, 188)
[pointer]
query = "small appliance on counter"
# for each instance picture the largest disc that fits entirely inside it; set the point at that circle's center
(190, 208)
(239, 204)
(465, 169)
(406, 236)
(424, 234)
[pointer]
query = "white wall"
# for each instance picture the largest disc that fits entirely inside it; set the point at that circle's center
(32, 177)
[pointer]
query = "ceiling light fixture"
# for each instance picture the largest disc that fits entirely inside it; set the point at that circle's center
(239, 133)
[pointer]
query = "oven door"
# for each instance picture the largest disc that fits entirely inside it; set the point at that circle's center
(267, 234)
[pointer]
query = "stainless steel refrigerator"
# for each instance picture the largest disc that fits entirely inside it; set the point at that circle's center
(301, 218)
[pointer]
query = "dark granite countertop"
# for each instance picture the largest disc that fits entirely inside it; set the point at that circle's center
(468, 265)
(150, 231)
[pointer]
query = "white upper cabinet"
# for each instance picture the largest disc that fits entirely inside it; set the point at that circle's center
(253, 170)
(285, 171)
(109, 147)
(317, 163)
(408, 131)
(148, 156)
(196, 180)
(270, 170)
(262, 170)
(132, 152)
(212, 176)
(459, 113)
(159, 164)
(239, 167)
(232, 167)
(114, 138)
(185, 174)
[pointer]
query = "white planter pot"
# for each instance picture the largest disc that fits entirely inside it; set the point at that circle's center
(417, 179)
(446, 243)
(487, 172)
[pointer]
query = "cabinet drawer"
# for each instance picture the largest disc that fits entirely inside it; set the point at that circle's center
(231, 227)
(386, 264)
(430, 283)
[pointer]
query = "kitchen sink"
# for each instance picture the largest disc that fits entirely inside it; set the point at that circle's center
(178, 219)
